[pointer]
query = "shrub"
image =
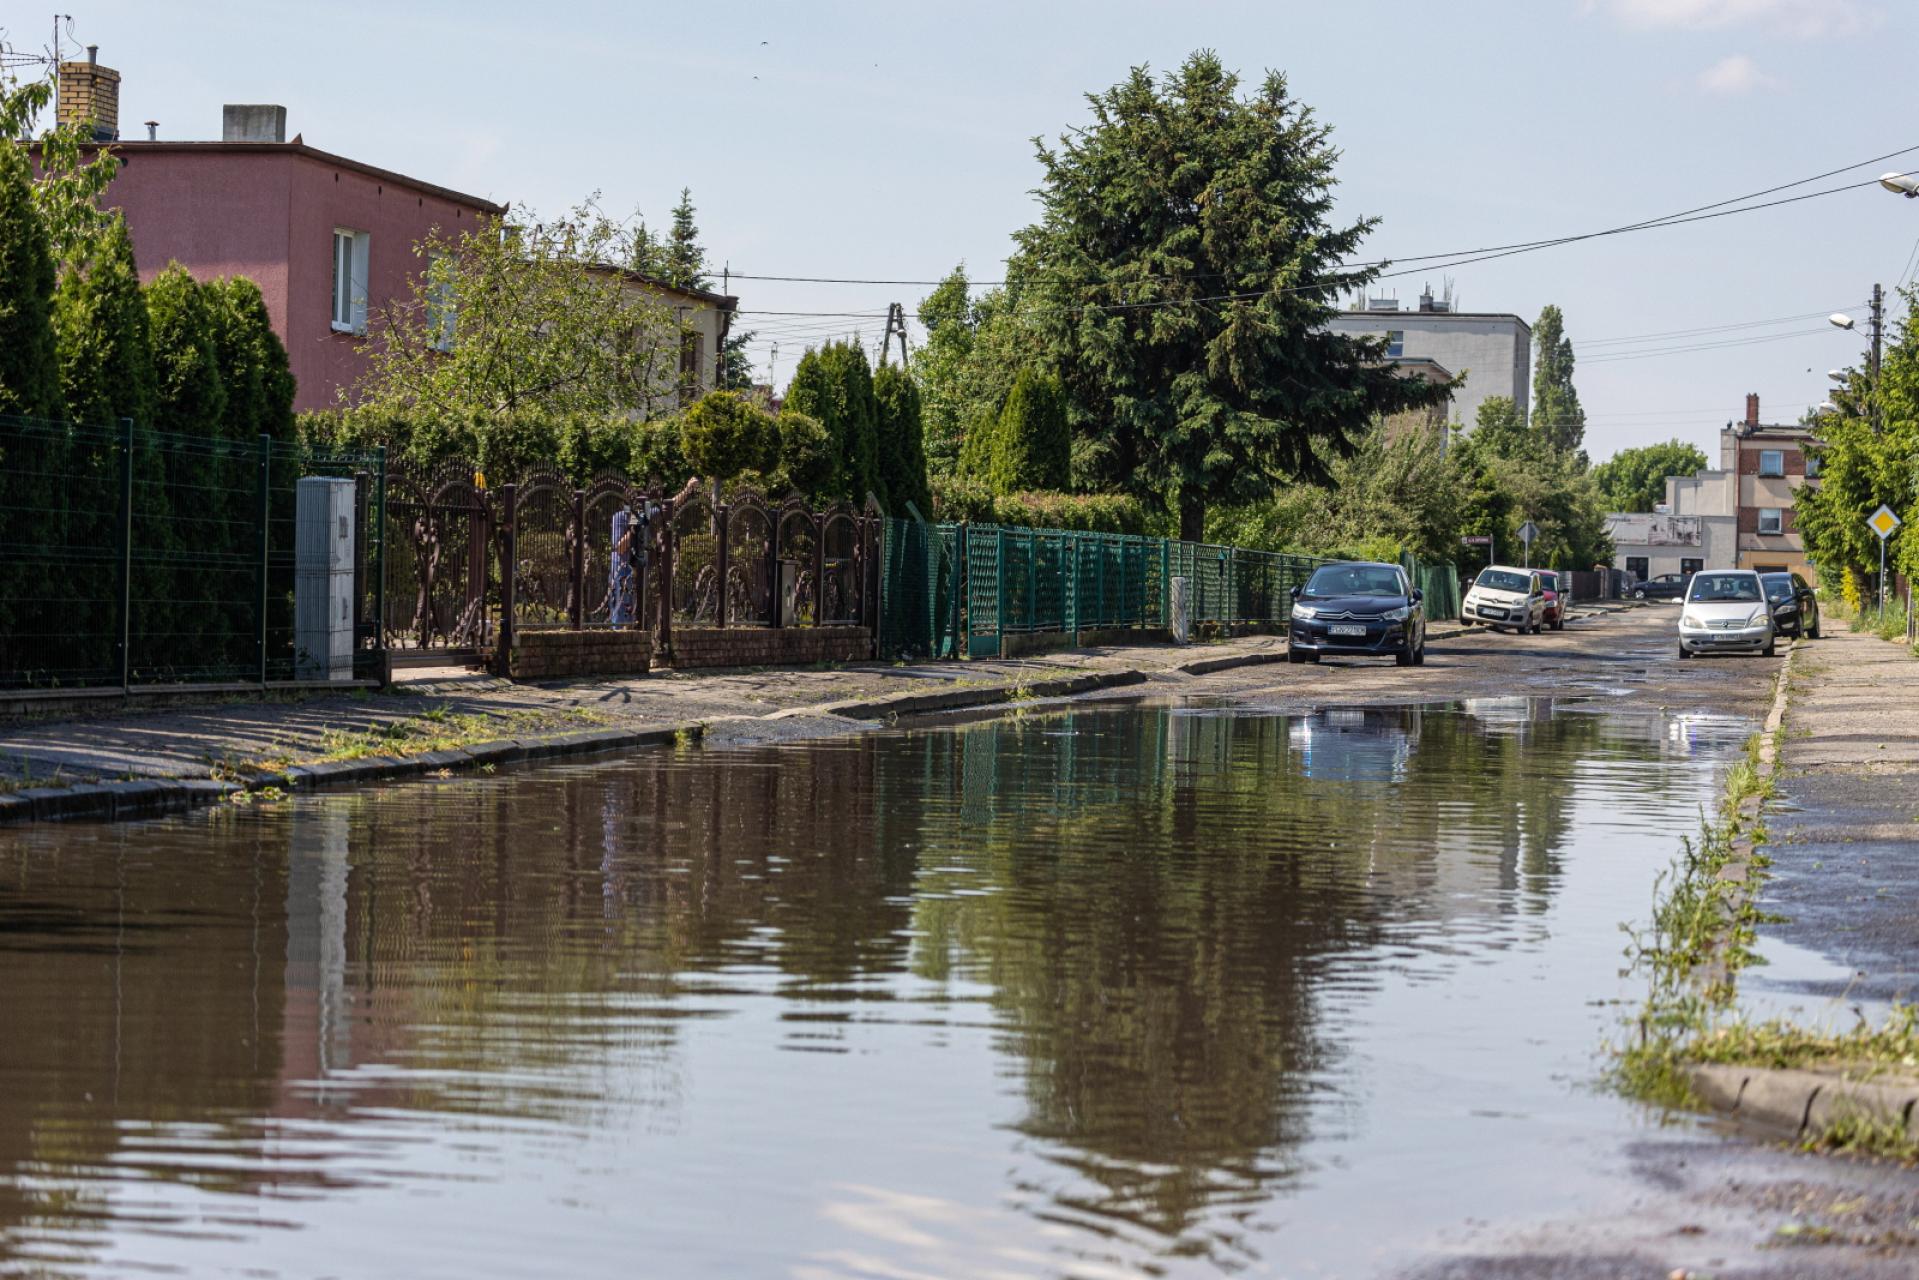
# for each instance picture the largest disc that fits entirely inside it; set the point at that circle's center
(724, 434)
(902, 447)
(961, 499)
(1033, 447)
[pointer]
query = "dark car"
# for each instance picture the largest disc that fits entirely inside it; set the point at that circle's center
(1795, 608)
(1667, 586)
(1358, 608)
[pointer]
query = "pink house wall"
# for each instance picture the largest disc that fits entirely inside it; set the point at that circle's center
(268, 211)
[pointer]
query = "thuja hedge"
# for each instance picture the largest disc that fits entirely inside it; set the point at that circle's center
(959, 499)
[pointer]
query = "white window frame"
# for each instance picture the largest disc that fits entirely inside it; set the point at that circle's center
(1778, 515)
(1766, 455)
(1395, 343)
(352, 253)
(1812, 466)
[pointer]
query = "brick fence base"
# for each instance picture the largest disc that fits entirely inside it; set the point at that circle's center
(543, 655)
(768, 646)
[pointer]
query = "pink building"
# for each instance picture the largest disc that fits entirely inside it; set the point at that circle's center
(323, 236)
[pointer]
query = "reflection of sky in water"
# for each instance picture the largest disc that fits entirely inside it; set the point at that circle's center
(1104, 993)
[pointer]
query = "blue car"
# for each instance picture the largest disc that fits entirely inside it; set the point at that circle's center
(1357, 608)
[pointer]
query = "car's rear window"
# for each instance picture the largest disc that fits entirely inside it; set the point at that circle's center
(1777, 588)
(1709, 588)
(1500, 580)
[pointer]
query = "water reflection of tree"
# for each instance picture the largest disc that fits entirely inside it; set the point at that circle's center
(1170, 895)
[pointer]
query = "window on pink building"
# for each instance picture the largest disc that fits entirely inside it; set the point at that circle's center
(351, 251)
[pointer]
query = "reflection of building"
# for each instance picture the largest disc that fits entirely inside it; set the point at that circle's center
(1492, 350)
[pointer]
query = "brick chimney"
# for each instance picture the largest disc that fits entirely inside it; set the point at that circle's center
(1752, 408)
(89, 94)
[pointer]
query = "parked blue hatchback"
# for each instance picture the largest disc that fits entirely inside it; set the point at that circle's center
(1369, 610)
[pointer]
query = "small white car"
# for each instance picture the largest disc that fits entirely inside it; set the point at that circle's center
(1502, 596)
(1726, 611)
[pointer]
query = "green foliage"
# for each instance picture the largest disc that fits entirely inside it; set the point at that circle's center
(542, 325)
(834, 386)
(974, 348)
(807, 458)
(190, 399)
(1556, 412)
(1863, 463)
(1399, 492)
(1635, 479)
(252, 360)
(69, 178)
(1032, 449)
(902, 450)
(958, 498)
(682, 259)
(1202, 221)
(29, 365)
(100, 321)
(724, 434)
(1510, 473)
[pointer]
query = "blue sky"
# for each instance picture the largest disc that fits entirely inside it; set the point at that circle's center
(893, 140)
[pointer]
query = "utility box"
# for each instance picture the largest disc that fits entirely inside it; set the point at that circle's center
(323, 558)
(1181, 606)
(786, 594)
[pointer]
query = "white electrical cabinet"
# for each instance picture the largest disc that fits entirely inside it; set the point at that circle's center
(323, 580)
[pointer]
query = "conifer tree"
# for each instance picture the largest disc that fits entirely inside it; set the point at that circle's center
(190, 398)
(902, 447)
(29, 364)
(682, 257)
(100, 320)
(834, 385)
(1033, 447)
(253, 362)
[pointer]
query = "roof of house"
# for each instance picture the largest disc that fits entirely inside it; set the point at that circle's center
(130, 150)
(719, 301)
(1435, 315)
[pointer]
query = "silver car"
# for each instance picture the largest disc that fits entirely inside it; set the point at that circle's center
(1725, 611)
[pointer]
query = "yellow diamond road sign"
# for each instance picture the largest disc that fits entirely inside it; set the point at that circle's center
(1882, 522)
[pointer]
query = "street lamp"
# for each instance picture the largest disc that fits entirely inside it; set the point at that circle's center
(1901, 184)
(1839, 320)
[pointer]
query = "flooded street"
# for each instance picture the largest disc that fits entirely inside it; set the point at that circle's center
(1117, 991)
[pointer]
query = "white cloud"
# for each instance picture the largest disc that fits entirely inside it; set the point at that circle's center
(1799, 19)
(1735, 74)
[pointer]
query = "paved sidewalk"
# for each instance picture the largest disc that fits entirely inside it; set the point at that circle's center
(1845, 831)
(231, 736)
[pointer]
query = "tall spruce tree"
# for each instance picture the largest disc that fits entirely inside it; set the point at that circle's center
(29, 363)
(682, 258)
(1182, 275)
(902, 445)
(1033, 448)
(1555, 410)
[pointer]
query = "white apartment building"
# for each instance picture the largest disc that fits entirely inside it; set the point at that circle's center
(1492, 349)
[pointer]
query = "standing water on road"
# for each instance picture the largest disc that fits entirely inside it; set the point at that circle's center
(1113, 992)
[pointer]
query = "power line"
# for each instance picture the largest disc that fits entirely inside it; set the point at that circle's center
(1588, 343)
(1679, 218)
(1613, 357)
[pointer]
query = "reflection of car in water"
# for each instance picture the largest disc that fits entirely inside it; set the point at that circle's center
(1355, 744)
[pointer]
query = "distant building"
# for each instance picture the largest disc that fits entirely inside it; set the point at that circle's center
(329, 240)
(1432, 418)
(1736, 516)
(1768, 465)
(1493, 350)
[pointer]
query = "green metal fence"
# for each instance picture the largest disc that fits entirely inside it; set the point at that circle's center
(952, 590)
(134, 557)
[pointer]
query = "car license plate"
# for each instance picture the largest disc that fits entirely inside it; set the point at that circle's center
(1346, 631)
(1493, 613)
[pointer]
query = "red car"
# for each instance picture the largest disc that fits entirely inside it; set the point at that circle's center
(1555, 607)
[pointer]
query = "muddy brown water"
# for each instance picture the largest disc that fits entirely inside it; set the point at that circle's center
(1122, 991)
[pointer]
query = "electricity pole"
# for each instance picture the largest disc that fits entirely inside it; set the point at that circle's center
(1878, 329)
(895, 324)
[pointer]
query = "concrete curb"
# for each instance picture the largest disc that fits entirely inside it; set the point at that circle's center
(1783, 1101)
(1799, 1104)
(909, 704)
(147, 797)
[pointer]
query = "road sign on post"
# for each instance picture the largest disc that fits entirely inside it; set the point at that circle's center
(1882, 522)
(1527, 532)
